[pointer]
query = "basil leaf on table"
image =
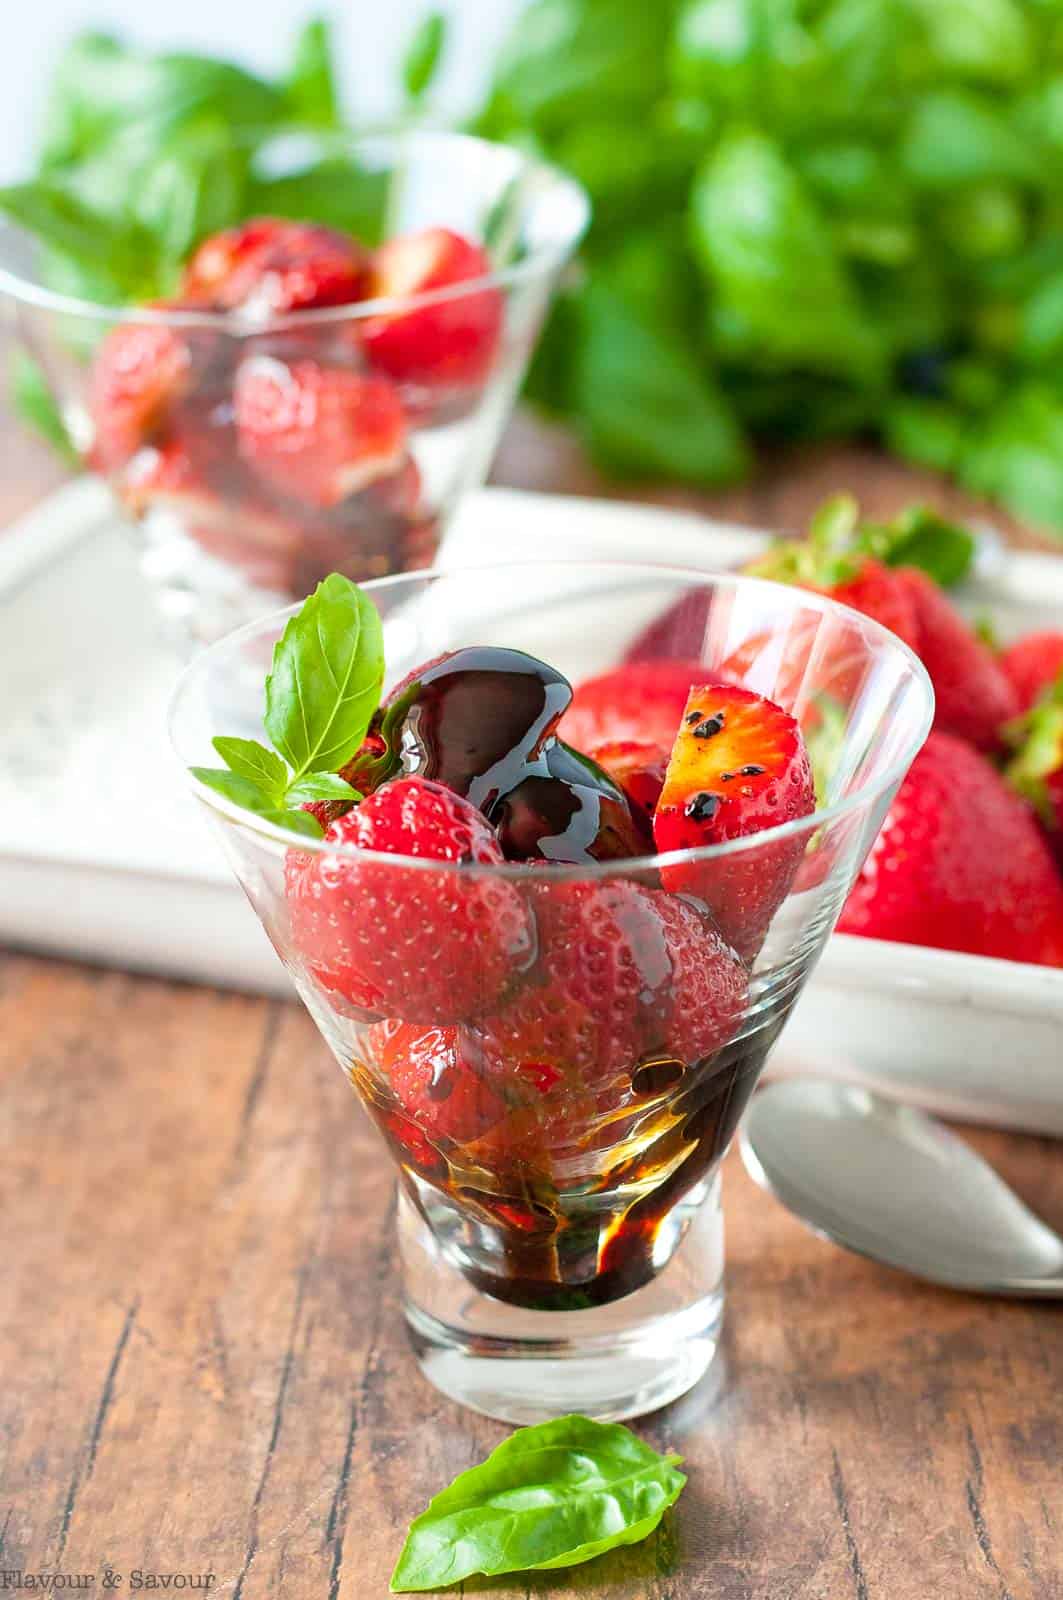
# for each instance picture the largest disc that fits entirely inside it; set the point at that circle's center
(328, 668)
(550, 1496)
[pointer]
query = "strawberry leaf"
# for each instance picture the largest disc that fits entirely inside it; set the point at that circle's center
(251, 760)
(328, 668)
(549, 1496)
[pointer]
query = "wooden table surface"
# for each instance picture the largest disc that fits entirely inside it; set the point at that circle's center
(204, 1365)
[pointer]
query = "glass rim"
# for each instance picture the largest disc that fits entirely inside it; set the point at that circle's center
(540, 263)
(547, 871)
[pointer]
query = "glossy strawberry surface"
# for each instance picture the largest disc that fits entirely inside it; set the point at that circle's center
(419, 945)
(450, 342)
(960, 864)
(738, 766)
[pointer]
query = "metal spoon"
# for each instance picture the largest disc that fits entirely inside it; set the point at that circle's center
(891, 1183)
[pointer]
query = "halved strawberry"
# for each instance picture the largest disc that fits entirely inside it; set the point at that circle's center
(637, 766)
(739, 765)
(641, 701)
(139, 371)
(449, 343)
(269, 266)
(317, 433)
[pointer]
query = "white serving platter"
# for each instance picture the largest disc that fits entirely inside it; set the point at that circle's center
(104, 856)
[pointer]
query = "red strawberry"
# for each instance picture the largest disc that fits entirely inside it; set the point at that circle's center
(1036, 771)
(1033, 664)
(883, 594)
(450, 342)
(974, 695)
(677, 632)
(139, 370)
(636, 766)
(433, 1083)
(642, 701)
(423, 946)
(739, 765)
(625, 972)
(268, 266)
(317, 433)
(960, 865)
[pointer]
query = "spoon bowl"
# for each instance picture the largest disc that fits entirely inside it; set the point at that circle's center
(888, 1182)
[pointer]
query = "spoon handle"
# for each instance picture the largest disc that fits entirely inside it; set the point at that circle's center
(1049, 1288)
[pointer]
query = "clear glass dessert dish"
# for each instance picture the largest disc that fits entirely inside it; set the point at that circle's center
(559, 1075)
(262, 433)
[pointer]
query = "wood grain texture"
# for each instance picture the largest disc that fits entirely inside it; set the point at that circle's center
(205, 1369)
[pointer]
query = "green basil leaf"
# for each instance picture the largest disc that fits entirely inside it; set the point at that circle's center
(34, 403)
(311, 86)
(246, 794)
(550, 1496)
(328, 668)
(423, 56)
(958, 137)
(566, 60)
(321, 786)
(251, 760)
(126, 255)
(767, 252)
(333, 191)
(648, 406)
(194, 186)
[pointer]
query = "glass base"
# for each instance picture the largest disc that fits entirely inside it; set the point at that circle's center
(611, 1362)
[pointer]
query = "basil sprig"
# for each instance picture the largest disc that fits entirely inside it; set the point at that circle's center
(322, 691)
(550, 1496)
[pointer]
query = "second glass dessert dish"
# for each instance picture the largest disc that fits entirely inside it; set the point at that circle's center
(551, 996)
(320, 383)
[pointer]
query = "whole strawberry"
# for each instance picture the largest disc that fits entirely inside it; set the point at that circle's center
(424, 946)
(624, 972)
(1033, 664)
(269, 266)
(974, 697)
(316, 433)
(960, 864)
(140, 370)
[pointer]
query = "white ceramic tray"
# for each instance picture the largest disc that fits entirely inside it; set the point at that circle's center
(104, 857)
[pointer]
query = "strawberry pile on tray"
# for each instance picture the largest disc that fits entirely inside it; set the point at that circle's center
(970, 855)
(287, 452)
